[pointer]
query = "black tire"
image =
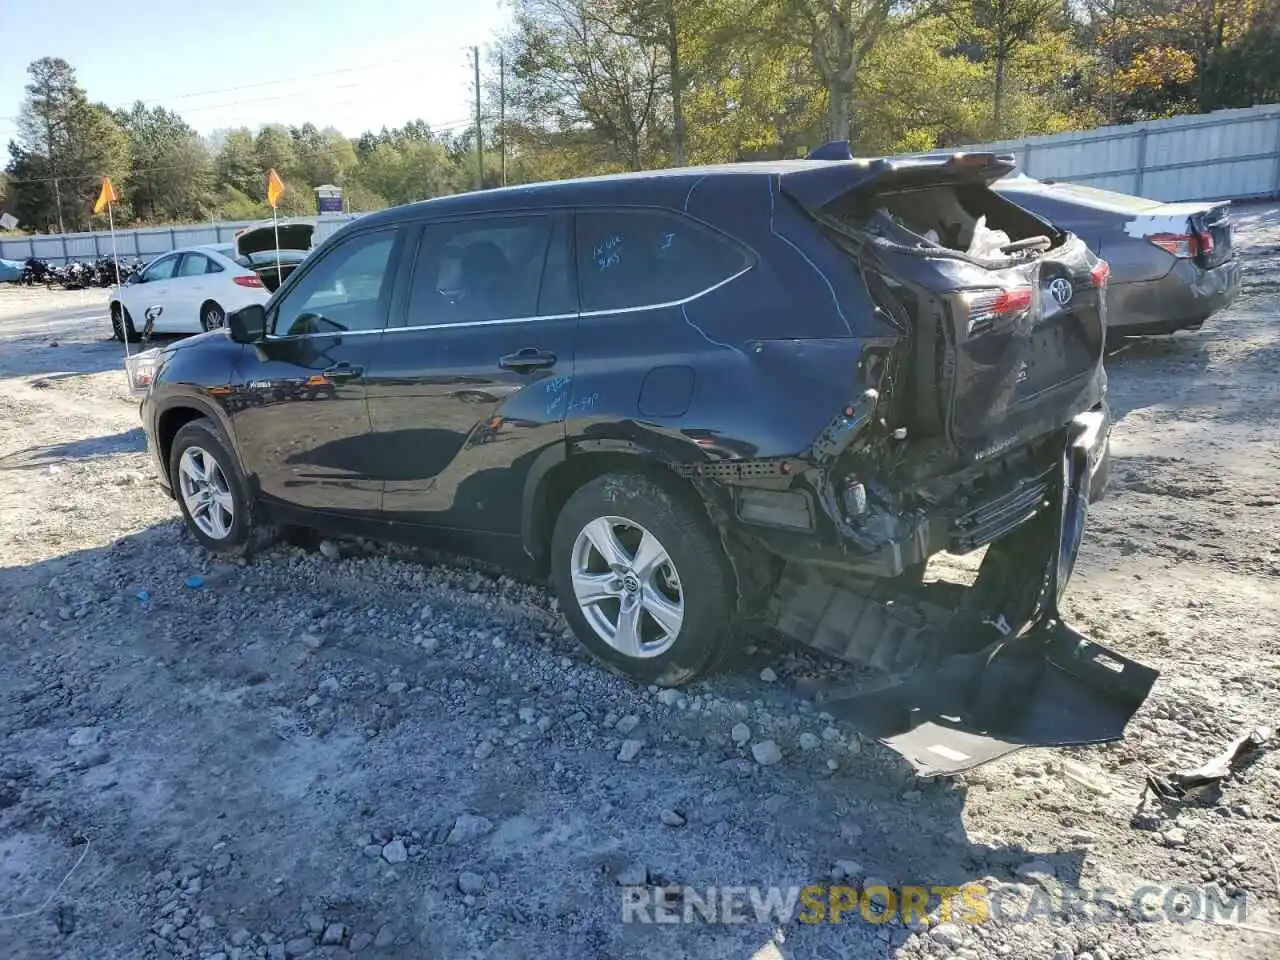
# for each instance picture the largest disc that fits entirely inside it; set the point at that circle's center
(1007, 584)
(702, 571)
(203, 435)
(122, 324)
(212, 317)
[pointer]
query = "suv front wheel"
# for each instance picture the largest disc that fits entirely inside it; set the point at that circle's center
(642, 578)
(210, 488)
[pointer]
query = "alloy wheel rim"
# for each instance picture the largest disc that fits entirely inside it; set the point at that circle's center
(627, 587)
(206, 493)
(213, 318)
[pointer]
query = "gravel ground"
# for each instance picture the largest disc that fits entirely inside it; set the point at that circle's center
(323, 755)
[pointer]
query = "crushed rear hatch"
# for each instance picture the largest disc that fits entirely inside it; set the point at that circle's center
(1007, 344)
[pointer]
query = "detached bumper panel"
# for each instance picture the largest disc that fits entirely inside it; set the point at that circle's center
(1048, 687)
(1059, 689)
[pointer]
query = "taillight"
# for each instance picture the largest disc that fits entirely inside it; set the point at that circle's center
(988, 306)
(252, 280)
(1100, 273)
(1183, 245)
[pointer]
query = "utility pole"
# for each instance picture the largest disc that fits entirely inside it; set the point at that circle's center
(502, 110)
(57, 195)
(475, 53)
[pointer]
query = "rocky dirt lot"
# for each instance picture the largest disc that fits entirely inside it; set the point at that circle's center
(315, 755)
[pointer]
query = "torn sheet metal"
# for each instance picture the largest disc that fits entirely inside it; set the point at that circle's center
(1165, 218)
(1050, 686)
(1204, 782)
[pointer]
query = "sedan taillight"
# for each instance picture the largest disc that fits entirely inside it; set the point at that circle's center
(1184, 246)
(1100, 273)
(252, 280)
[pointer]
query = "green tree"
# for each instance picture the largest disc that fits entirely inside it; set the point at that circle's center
(407, 172)
(360, 199)
(65, 145)
(1248, 72)
(273, 147)
(171, 173)
(1002, 29)
(323, 156)
(841, 35)
(236, 164)
(1166, 56)
(751, 93)
(575, 66)
(234, 204)
(915, 93)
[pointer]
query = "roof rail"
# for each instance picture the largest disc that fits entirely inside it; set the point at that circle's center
(831, 150)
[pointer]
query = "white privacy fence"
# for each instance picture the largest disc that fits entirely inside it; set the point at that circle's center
(1225, 155)
(146, 243)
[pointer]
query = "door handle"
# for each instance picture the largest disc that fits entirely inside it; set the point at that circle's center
(343, 371)
(528, 360)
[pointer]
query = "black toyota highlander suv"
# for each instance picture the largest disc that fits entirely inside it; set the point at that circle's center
(689, 397)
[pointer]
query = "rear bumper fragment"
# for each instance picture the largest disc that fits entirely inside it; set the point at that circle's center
(1046, 685)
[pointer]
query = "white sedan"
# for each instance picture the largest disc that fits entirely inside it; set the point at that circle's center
(195, 288)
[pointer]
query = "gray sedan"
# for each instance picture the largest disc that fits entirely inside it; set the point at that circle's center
(1172, 265)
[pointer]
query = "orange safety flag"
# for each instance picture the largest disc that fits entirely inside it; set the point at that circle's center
(275, 187)
(107, 195)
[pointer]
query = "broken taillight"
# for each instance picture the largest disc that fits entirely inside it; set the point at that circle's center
(1100, 273)
(986, 307)
(1184, 246)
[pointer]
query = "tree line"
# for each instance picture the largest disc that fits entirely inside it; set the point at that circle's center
(576, 87)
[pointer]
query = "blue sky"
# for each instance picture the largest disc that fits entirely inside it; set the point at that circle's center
(352, 65)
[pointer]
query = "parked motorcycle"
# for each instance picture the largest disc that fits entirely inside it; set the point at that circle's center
(75, 275)
(35, 271)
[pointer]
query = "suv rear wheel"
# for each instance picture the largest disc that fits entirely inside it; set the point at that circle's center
(642, 578)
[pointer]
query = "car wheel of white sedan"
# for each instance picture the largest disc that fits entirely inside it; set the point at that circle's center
(122, 324)
(210, 488)
(212, 317)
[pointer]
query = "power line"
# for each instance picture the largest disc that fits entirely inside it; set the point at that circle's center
(448, 127)
(253, 86)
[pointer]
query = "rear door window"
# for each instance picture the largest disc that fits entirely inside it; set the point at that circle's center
(489, 268)
(194, 265)
(640, 258)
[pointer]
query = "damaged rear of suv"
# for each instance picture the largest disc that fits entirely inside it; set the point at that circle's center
(907, 364)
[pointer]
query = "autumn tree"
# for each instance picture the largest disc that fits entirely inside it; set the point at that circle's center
(1171, 48)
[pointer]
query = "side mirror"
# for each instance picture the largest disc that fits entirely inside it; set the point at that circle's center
(248, 324)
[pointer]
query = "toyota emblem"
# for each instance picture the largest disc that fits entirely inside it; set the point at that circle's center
(1061, 291)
